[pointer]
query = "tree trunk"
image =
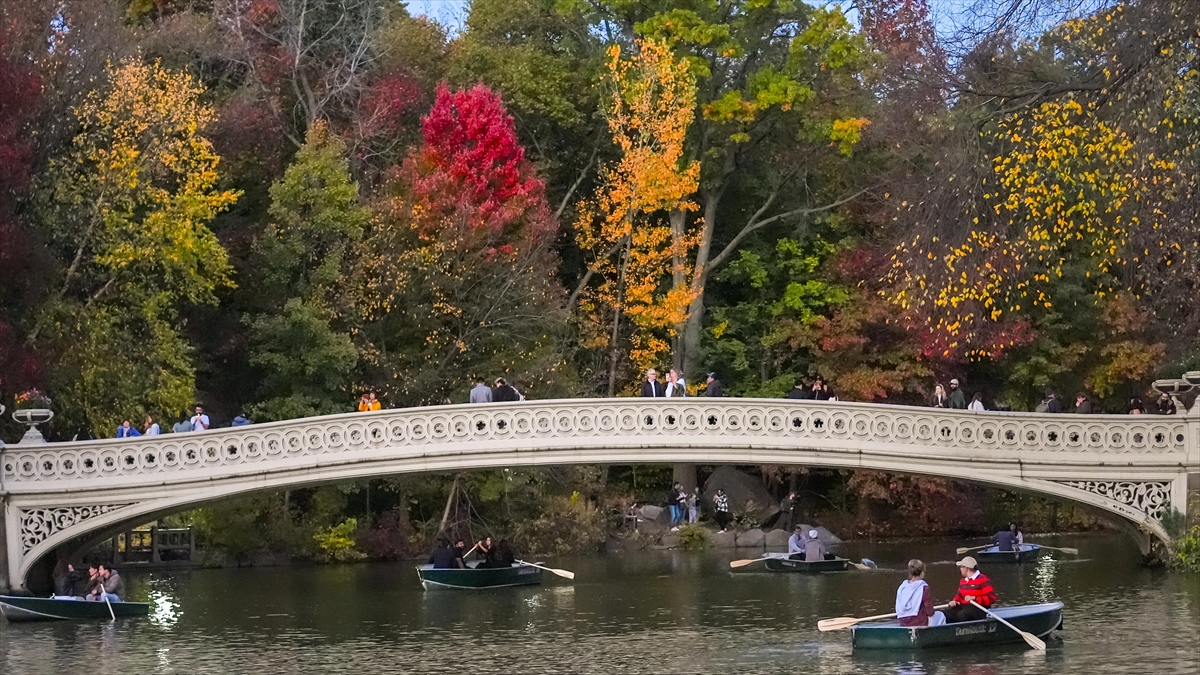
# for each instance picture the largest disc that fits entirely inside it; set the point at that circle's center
(449, 502)
(614, 343)
(685, 474)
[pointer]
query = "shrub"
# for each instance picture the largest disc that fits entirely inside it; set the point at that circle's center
(337, 543)
(567, 525)
(693, 538)
(1187, 551)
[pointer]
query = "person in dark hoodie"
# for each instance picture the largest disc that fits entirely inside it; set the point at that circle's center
(443, 557)
(714, 388)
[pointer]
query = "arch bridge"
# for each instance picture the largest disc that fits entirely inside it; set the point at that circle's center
(58, 497)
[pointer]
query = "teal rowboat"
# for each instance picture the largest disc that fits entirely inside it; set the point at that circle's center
(831, 563)
(1041, 620)
(17, 609)
(474, 577)
(1024, 553)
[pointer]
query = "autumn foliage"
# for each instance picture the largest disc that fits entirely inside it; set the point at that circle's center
(470, 179)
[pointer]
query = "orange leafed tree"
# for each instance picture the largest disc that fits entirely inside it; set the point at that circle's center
(632, 228)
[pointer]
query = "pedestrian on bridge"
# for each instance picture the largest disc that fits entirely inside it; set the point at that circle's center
(152, 428)
(714, 388)
(957, 400)
(651, 387)
(200, 421)
(127, 430)
(504, 392)
(481, 393)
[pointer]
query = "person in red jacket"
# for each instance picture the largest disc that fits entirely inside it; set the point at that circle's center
(973, 586)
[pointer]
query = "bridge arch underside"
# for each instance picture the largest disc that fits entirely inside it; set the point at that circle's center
(67, 524)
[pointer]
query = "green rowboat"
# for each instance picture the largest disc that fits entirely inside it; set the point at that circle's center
(474, 577)
(1041, 620)
(831, 563)
(1024, 553)
(21, 608)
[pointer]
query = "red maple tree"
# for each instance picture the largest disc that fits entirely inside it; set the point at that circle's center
(470, 179)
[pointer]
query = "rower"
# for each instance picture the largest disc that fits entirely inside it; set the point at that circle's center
(1005, 539)
(796, 543)
(973, 586)
(914, 607)
(111, 586)
(443, 557)
(486, 552)
(814, 550)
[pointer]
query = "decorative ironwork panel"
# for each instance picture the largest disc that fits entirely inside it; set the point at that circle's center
(39, 524)
(1152, 498)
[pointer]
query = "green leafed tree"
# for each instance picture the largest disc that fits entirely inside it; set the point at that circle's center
(127, 209)
(300, 341)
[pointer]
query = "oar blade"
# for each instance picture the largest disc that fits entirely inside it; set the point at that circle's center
(566, 574)
(1070, 551)
(1034, 641)
(742, 563)
(825, 625)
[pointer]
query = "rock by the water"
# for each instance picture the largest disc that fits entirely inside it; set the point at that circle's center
(828, 538)
(746, 493)
(653, 514)
(777, 538)
(823, 535)
(724, 539)
(751, 538)
(669, 540)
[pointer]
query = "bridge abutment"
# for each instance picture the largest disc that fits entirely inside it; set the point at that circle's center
(5, 585)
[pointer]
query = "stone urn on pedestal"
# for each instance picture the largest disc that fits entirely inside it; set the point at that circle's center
(33, 409)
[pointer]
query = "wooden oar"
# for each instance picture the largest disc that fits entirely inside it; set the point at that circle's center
(111, 613)
(1030, 639)
(1067, 550)
(847, 621)
(972, 548)
(566, 574)
(770, 556)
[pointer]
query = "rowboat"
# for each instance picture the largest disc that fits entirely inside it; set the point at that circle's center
(20, 608)
(474, 577)
(1023, 553)
(831, 563)
(1041, 620)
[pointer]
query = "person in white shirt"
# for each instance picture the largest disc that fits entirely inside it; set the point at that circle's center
(152, 428)
(675, 384)
(200, 420)
(976, 404)
(796, 542)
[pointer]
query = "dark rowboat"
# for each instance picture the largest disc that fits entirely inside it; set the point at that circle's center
(1024, 553)
(1041, 620)
(831, 563)
(20, 608)
(473, 577)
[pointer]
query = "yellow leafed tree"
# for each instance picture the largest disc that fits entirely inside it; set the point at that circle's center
(632, 228)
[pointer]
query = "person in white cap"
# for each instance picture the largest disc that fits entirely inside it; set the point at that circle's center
(973, 586)
(814, 550)
(958, 400)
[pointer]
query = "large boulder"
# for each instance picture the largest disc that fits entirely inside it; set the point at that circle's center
(751, 539)
(724, 539)
(747, 496)
(777, 538)
(669, 540)
(823, 535)
(654, 514)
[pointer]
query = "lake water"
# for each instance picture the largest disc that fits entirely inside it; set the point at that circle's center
(654, 612)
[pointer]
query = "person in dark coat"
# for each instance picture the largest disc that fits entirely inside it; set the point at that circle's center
(1164, 405)
(652, 388)
(503, 391)
(715, 388)
(505, 557)
(958, 400)
(821, 391)
(1053, 404)
(67, 581)
(799, 392)
(1083, 406)
(443, 557)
